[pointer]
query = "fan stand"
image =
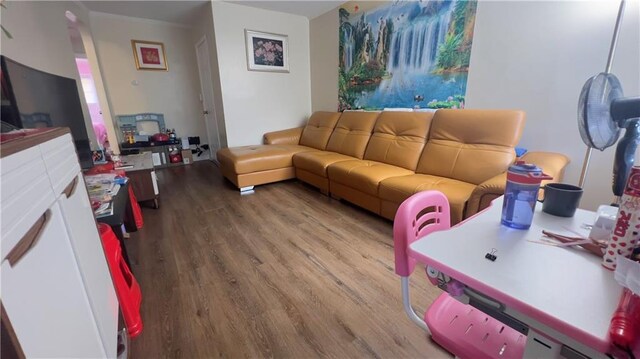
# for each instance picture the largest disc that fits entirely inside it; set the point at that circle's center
(612, 50)
(625, 154)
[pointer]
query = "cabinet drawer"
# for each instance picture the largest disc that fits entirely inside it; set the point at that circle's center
(45, 299)
(61, 161)
(26, 193)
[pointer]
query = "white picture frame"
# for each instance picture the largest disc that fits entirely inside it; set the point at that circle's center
(267, 51)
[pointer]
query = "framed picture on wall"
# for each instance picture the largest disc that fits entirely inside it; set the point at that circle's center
(266, 51)
(149, 55)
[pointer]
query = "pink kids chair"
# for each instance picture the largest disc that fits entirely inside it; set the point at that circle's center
(461, 329)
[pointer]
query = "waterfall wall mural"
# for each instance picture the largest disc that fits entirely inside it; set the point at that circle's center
(410, 54)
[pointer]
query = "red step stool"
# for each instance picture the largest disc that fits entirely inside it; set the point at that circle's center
(127, 288)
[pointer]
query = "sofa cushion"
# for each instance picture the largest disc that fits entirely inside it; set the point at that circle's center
(248, 159)
(352, 133)
(471, 145)
(364, 175)
(398, 189)
(317, 162)
(319, 129)
(398, 138)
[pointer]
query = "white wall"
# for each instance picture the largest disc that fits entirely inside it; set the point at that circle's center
(41, 40)
(203, 27)
(173, 93)
(323, 34)
(259, 102)
(536, 56)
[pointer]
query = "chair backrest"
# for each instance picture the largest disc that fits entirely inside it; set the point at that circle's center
(471, 145)
(352, 133)
(398, 138)
(318, 129)
(423, 213)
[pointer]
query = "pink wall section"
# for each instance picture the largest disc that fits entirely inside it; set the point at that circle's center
(83, 67)
(89, 90)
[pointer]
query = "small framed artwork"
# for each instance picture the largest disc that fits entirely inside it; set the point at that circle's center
(267, 52)
(149, 55)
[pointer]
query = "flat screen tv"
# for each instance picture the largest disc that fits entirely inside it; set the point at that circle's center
(32, 98)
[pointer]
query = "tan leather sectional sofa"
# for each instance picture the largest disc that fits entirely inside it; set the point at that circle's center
(378, 159)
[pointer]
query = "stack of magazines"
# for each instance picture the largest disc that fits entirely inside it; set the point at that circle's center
(102, 188)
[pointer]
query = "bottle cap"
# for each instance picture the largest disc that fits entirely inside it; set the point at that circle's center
(526, 173)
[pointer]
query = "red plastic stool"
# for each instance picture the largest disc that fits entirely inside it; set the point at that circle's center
(135, 208)
(127, 288)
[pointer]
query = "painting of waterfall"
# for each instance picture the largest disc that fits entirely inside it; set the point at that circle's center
(409, 54)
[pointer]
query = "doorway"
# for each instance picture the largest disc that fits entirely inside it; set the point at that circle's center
(91, 83)
(206, 96)
(89, 88)
(86, 78)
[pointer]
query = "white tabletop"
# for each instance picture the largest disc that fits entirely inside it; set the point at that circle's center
(140, 161)
(564, 288)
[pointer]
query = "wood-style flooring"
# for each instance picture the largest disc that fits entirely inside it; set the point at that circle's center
(284, 272)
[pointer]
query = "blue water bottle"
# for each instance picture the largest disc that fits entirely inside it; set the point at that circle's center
(521, 194)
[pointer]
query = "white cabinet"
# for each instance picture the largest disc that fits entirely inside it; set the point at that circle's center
(45, 298)
(25, 194)
(56, 287)
(85, 241)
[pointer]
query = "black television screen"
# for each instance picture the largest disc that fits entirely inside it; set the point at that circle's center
(32, 98)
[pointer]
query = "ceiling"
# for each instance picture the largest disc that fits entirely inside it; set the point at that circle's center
(183, 12)
(180, 12)
(308, 8)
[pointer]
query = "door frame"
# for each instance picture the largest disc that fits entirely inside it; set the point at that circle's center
(204, 40)
(98, 80)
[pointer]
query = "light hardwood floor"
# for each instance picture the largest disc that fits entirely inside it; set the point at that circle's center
(284, 272)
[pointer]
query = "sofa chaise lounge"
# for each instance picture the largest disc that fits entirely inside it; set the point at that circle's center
(376, 160)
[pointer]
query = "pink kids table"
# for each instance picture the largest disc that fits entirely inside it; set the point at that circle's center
(562, 297)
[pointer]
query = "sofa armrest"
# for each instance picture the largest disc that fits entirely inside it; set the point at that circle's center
(484, 193)
(285, 137)
(552, 164)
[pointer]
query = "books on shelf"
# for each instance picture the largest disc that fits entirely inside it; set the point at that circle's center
(103, 188)
(101, 192)
(104, 178)
(105, 209)
(114, 190)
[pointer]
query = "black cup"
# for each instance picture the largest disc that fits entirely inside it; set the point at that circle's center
(561, 199)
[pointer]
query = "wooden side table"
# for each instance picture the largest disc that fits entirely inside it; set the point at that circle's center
(142, 176)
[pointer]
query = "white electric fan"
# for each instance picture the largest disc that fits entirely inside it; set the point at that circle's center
(603, 112)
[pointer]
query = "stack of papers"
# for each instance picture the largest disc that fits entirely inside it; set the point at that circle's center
(102, 192)
(102, 188)
(105, 209)
(104, 178)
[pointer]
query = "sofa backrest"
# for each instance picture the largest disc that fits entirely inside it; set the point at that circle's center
(471, 145)
(319, 128)
(398, 138)
(352, 133)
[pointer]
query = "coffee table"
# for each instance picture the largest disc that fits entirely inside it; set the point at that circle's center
(142, 176)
